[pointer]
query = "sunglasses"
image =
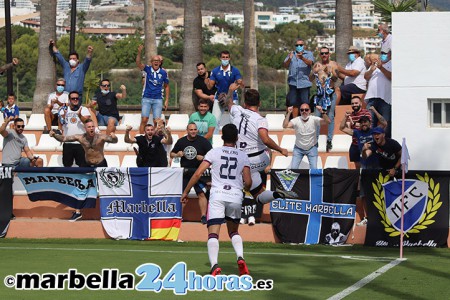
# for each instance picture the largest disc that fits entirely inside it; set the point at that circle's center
(304, 109)
(74, 98)
(20, 126)
(299, 44)
(105, 85)
(60, 85)
(324, 53)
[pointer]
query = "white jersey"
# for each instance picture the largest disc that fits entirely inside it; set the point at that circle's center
(63, 98)
(248, 124)
(227, 164)
(72, 123)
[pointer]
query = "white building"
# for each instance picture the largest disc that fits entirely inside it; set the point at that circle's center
(367, 45)
(421, 88)
(64, 5)
(18, 8)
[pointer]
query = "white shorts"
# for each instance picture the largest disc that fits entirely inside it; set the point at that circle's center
(221, 210)
(258, 164)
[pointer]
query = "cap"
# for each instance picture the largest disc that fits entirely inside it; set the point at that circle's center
(377, 130)
(353, 49)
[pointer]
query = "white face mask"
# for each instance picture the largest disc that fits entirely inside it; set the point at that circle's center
(73, 62)
(304, 118)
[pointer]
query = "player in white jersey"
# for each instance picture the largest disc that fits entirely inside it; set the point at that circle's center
(230, 174)
(254, 140)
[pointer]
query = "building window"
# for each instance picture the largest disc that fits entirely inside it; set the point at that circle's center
(439, 112)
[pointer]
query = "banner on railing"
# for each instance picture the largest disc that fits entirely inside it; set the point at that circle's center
(324, 211)
(6, 193)
(140, 203)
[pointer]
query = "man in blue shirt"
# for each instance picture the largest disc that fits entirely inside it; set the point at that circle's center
(299, 63)
(222, 77)
(155, 80)
(74, 71)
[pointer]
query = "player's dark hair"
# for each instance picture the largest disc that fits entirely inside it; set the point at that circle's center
(229, 134)
(18, 120)
(203, 101)
(251, 97)
(74, 53)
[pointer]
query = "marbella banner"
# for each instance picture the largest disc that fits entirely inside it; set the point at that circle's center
(324, 211)
(6, 198)
(426, 208)
(74, 187)
(140, 203)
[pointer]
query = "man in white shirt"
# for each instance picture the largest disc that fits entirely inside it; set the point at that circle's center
(379, 94)
(385, 35)
(307, 128)
(230, 174)
(353, 76)
(55, 101)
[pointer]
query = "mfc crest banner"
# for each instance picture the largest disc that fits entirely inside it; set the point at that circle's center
(324, 211)
(74, 187)
(426, 209)
(140, 203)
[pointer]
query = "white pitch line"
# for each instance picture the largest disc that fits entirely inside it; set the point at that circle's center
(366, 280)
(369, 258)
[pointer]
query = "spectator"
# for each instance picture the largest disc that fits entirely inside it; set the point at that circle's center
(205, 121)
(299, 63)
(354, 122)
(201, 89)
(72, 118)
(151, 151)
(74, 71)
(222, 77)
(155, 80)
(329, 67)
(388, 151)
(386, 36)
(55, 101)
(14, 143)
(192, 148)
(92, 144)
(379, 93)
(6, 67)
(353, 76)
(106, 100)
(307, 129)
(162, 130)
(11, 109)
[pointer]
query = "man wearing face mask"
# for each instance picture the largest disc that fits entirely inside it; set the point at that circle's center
(108, 113)
(353, 76)
(55, 101)
(384, 34)
(74, 71)
(222, 77)
(299, 63)
(379, 93)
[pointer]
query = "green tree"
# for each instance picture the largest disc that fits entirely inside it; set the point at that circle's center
(387, 7)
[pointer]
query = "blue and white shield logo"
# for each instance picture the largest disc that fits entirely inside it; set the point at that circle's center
(416, 196)
(287, 179)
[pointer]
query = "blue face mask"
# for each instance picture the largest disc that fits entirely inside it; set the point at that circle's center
(384, 57)
(104, 92)
(60, 89)
(299, 48)
(352, 57)
(380, 35)
(225, 62)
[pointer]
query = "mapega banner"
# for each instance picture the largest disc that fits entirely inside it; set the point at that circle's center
(324, 211)
(140, 203)
(74, 187)
(426, 208)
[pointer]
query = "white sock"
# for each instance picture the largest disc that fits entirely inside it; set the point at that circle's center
(238, 246)
(213, 250)
(265, 197)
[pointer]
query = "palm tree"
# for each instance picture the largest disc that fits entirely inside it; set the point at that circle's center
(46, 70)
(149, 29)
(387, 7)
(250, 56)
(344, 33)
(192, 51)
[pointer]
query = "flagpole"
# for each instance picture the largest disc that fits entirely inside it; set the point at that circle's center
(404, 161)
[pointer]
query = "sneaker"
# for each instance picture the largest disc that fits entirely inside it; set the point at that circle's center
(286, 194)
(242, 221)
(75, 216)
(329, 146)
(243, 270)
(203, 220)
(13, 217)
(251, 221)
(362, 223)
(215, 270)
